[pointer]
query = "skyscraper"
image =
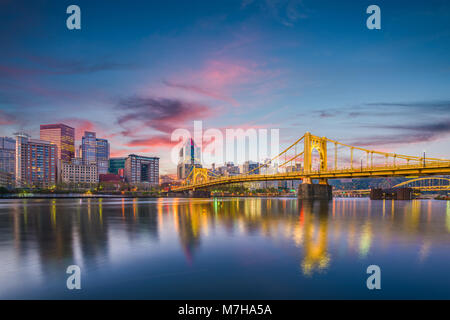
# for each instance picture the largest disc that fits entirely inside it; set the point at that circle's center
(189, 157)
(35, 162)
(7, 155)
(102, 155)
(89, 148)
(95, 151)
(61, 135)
(140, 169)
(250, 167)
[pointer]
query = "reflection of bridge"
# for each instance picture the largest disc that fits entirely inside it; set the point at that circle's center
(420, 184)
(301, 163)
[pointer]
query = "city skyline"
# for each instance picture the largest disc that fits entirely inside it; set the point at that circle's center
(136, 74)
(200, 152)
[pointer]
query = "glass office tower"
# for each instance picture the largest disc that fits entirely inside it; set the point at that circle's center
(61, 135)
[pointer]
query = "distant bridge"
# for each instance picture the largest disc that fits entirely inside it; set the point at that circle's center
(419, 184)
(302, 165)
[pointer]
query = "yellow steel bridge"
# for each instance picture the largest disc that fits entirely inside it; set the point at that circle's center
(308, 158)
(420, 184)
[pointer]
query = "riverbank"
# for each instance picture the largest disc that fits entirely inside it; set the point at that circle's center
(155, 196)
(78, 196)
(120, 196)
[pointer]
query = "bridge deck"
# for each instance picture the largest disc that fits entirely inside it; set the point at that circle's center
(435, 168)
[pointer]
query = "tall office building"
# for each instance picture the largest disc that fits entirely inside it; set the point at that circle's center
(189, 157)
(36, 162)
(89, 148)
(102, 155)
(140, 169)
(7, 155)
(250, 167)
(95, 151)
(61, 135)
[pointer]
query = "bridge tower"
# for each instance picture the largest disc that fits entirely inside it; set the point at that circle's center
(198, 176)
(308, 190)
(320, 144)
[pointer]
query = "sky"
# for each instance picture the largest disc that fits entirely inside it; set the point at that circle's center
(138, 70)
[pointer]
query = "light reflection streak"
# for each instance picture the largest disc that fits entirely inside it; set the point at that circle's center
(53, 214)
(366, 239)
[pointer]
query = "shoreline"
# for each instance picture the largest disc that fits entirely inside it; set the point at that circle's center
(121, 196)
(139, 196)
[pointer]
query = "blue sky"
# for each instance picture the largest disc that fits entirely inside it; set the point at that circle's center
(137, 70)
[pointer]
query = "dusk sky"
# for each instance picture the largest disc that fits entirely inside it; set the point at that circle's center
(137, 70)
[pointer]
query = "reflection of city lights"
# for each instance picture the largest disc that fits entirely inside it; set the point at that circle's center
(205, 222)
(309, 235)
(241, 226)
(297, 235)
(159, 210)
(100, 209)
(215, 206)
(89, 209)
(413, 220)
(175, 217)
(366, 239)
(334, 207)
(392, 209)
(53, 213)
(25, 211)
(315, 237)
(351, 235)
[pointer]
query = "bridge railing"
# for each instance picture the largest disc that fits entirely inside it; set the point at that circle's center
(431, 164)
(348, 169)
(434, 164)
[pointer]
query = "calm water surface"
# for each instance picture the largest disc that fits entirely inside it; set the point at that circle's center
(224, 248)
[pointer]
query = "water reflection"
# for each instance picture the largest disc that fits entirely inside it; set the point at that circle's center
(316, 234)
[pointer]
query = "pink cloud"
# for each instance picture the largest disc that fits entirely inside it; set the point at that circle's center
(219, 79)
(161, 141)
(82, 125)
(220, 74)
(6, 119)
(201, 91)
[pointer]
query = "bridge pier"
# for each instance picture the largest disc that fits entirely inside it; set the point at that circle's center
(311, 191)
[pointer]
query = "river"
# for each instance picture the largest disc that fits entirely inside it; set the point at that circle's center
(228, 248)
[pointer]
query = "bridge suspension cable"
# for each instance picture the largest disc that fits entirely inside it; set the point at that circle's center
(276, 157)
